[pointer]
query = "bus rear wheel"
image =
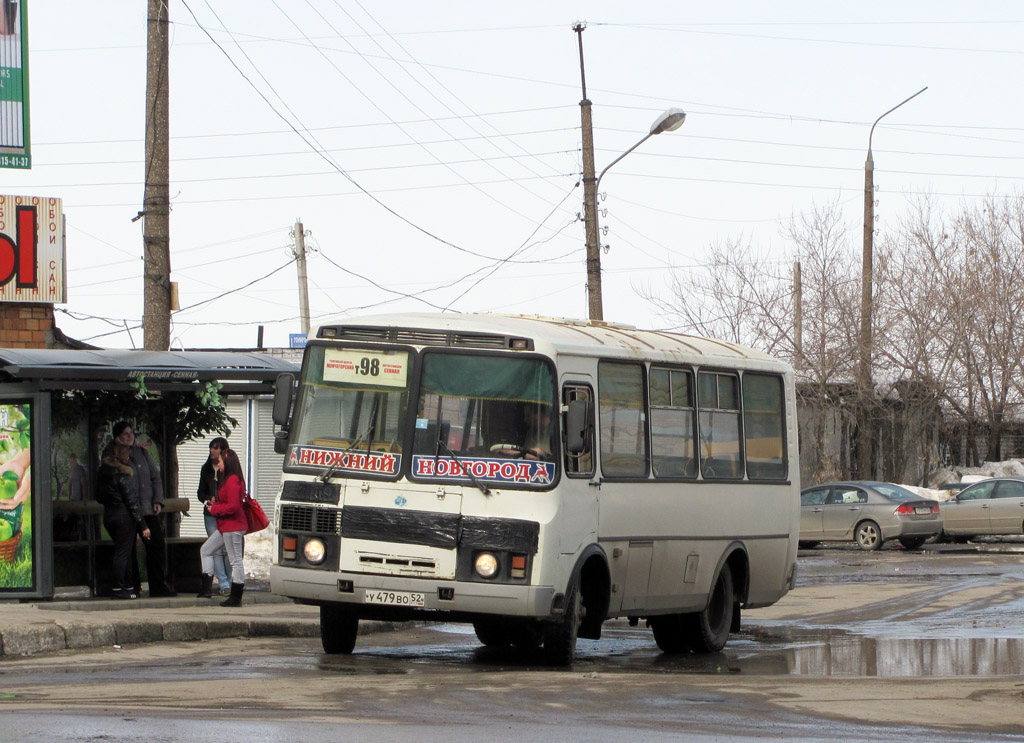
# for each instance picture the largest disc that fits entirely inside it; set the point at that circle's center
(707, 631)
(338, 630)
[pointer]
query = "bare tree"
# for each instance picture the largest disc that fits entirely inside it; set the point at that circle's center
(954, 323)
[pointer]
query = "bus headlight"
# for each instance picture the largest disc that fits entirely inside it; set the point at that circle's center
(314, 551)
(486, 565)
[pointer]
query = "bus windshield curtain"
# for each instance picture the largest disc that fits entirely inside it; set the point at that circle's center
(487, 377)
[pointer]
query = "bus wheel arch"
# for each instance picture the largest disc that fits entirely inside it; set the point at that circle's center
(582, 609)
(595, 589)
(738, 560)
(708, 630)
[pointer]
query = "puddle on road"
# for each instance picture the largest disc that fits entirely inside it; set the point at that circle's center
(797, 652)
(836, 653)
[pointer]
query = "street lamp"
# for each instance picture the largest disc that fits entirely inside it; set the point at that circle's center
(866, 302)
(667, 122)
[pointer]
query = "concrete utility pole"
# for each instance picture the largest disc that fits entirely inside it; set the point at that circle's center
(798, 318)
(156, 209)
(594, 303)
(300, 263)
(865, 384)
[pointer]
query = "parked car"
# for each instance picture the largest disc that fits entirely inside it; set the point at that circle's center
(990, 507)
(868, 513)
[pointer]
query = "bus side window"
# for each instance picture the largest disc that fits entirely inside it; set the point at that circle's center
(578, 424)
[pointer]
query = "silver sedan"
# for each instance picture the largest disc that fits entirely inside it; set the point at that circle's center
(868, 513)
(989, 507)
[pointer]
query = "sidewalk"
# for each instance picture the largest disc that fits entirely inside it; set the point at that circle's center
(75, 623)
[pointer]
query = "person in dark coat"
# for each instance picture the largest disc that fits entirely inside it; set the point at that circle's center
(209, 482)
(150, 491)
(122, 516)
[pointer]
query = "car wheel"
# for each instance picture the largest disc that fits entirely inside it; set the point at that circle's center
(338, 630)
(869, 536)
(912, 543)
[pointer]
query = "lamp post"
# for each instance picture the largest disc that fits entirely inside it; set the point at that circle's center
(866, 303)
(667, 122)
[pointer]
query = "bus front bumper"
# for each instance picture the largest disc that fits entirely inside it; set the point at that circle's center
(455, 598)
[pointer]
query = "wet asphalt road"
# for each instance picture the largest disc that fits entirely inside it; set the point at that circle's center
(923, 646)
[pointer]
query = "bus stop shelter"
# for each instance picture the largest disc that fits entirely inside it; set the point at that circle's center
(56, 410)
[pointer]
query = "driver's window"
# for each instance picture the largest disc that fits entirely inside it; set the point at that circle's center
(977, 492)
(580, 464)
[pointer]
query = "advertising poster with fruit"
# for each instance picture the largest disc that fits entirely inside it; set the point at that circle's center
(15, 496)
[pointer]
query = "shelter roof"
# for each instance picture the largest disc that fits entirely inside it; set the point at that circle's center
(51, 368)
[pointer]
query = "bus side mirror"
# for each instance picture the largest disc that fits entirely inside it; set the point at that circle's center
(577, 421)
(283, 398)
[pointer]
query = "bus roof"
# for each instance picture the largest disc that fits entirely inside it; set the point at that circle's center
(550, 335)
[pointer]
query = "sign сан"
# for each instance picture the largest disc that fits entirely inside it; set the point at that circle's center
(32, 250)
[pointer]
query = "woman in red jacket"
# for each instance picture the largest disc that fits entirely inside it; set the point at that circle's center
(231, 527)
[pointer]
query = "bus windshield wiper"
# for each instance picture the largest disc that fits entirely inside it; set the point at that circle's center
(472, 478)
(366, 435)
(439, 444)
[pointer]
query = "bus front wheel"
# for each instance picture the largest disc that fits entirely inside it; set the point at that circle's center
(708, 630)
(492, 634)
(560, 637)
(338, 630)
(670, 633)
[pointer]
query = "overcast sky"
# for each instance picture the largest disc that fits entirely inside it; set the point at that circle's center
(432, 150)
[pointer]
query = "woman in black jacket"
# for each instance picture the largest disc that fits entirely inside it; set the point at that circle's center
(122, 516)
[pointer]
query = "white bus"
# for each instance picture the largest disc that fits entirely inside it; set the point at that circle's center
(535, 477)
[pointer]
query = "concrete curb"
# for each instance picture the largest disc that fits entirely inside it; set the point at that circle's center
(48, 627)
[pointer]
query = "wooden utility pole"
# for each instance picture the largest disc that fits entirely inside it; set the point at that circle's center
(156, 209)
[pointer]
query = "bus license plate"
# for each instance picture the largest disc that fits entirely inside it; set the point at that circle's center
(393, 598)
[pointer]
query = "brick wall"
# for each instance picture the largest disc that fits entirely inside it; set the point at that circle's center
(26, 325)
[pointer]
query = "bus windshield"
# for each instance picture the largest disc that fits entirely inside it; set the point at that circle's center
(350, 413)
(476, 412)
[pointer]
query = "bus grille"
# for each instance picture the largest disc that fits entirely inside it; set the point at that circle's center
(310, 519)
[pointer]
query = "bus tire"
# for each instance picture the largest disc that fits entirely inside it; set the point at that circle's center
(338, 630)
(492, 634)
(708, 630)
(560, 636)
(527, 636)
(670, 633)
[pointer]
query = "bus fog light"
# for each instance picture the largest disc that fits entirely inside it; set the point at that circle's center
(314, 551)
(486, 565)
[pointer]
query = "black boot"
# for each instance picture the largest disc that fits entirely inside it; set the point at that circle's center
(235, 599)
(206, 587)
